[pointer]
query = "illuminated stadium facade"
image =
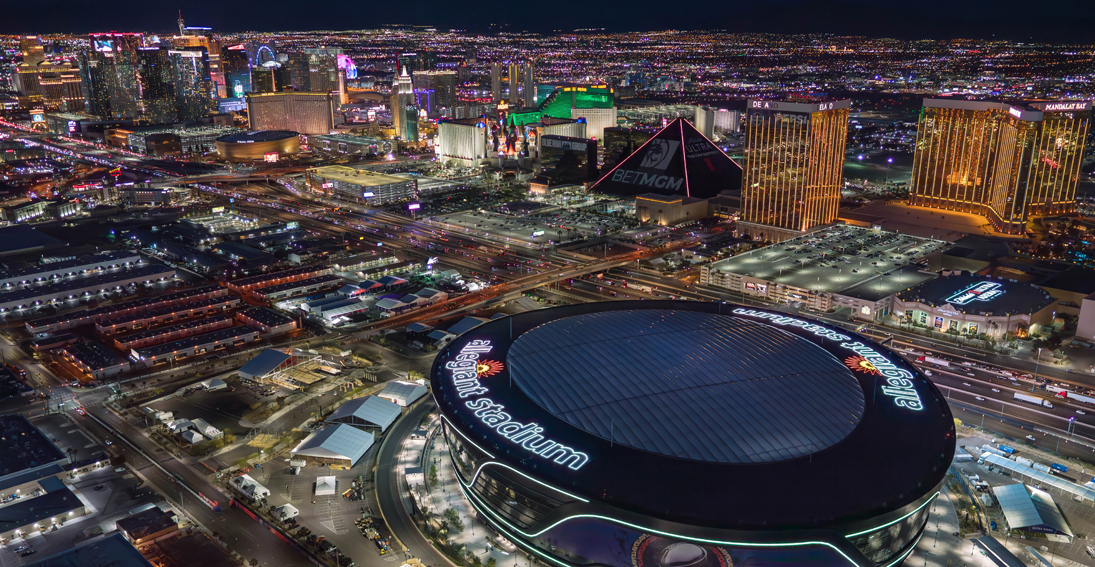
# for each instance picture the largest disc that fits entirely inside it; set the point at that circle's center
(685, 434)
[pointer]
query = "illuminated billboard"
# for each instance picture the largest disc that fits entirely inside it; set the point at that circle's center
(271, 157)
(106, 45)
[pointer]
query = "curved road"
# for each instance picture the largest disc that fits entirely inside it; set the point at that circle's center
(391, 493)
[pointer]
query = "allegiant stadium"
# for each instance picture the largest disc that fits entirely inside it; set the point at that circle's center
(686, 434)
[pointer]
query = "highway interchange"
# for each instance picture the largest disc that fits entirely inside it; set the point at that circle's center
(978, 393)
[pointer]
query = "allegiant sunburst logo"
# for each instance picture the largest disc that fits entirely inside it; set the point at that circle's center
(861, 364)
(488, 368)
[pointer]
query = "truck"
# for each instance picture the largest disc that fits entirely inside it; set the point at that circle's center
(1058, 468)
(1041, 467)
(640, 287)
(1033, 400)
(935, 361)
(1007, 449)
(1078, 398)
(1024, 461)
(993, 450)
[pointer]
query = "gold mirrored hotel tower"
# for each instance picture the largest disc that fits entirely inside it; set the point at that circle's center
(1008, 163)
(794, 167)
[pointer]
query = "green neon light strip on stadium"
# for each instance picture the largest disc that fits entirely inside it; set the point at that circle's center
(468, 493)
(929, 501)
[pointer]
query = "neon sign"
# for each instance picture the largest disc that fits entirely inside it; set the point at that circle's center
(467, 372)
(899, 382)
(1015, 112)
(1057, 106)
(983, 291)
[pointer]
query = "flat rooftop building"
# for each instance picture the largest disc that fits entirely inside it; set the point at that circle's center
(360, 185)
(78, 266)
(817, 266)
(110, 551)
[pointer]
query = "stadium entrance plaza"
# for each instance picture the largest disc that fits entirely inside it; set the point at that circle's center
(938, 547)
(432, 450)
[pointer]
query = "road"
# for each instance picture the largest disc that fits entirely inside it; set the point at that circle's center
(237, 529)
(391, 490)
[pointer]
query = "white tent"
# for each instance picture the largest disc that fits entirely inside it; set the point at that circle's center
(325, 485)
(214, 384)
(285, 512)
(192, 437)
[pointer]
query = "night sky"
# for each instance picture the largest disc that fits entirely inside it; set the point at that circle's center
(1049, 20)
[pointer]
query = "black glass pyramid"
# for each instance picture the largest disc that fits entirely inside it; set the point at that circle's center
(678, 160)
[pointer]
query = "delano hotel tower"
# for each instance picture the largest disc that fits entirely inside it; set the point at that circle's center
(1009, 163)
(794, 166)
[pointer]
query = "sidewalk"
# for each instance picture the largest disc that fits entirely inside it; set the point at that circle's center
(938, 546)
(476, 536)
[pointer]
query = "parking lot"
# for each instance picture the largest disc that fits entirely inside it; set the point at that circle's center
(836, 259)
(330, 516)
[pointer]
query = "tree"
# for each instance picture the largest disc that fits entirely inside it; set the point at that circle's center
(433, 474)
(957, 423)
(452, 519)
(491, 562)
(254, 562)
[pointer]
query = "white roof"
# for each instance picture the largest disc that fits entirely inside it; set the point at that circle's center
(325, 485)
(372, 410)
(336, 442)
(405, 391)
(193, 437)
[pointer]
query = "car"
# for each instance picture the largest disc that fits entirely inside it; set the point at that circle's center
(979, 398)
(965, 383)
(81, 411)
(1081, 412)
(997, 390)
(98, 487)
(28, 552)
(20, 548)
(1031, 438)
(109, 442)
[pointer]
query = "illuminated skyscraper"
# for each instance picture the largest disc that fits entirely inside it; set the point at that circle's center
(94, 80)
(49, 85)
(794, 165)
(236, 63)
(442, 83)
(530, 85)
(514, 81)
(402, 96)
(1009, 163)
(109, 74)
(263, 78)
(31, 48)
(156, 104)
(496, 82)
(305, 113)
(203, 37)
(195, 94)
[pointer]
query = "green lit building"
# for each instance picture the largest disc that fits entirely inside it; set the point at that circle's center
(559, 103)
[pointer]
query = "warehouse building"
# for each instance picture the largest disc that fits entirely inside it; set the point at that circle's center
(96, 360)
(82, 265)
(86, 317)
(134, 321)
(402, 394)
(78, 287)
(173, 332)
(284, 276)
(300, 287)
(269, 322)
(194, 346)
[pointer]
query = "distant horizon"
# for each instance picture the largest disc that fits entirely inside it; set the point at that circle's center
(1056, 22)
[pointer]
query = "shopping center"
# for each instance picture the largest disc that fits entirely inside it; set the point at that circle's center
(686, 434)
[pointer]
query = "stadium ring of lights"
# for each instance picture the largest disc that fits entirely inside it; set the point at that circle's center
(258, 145)
(688, 434)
